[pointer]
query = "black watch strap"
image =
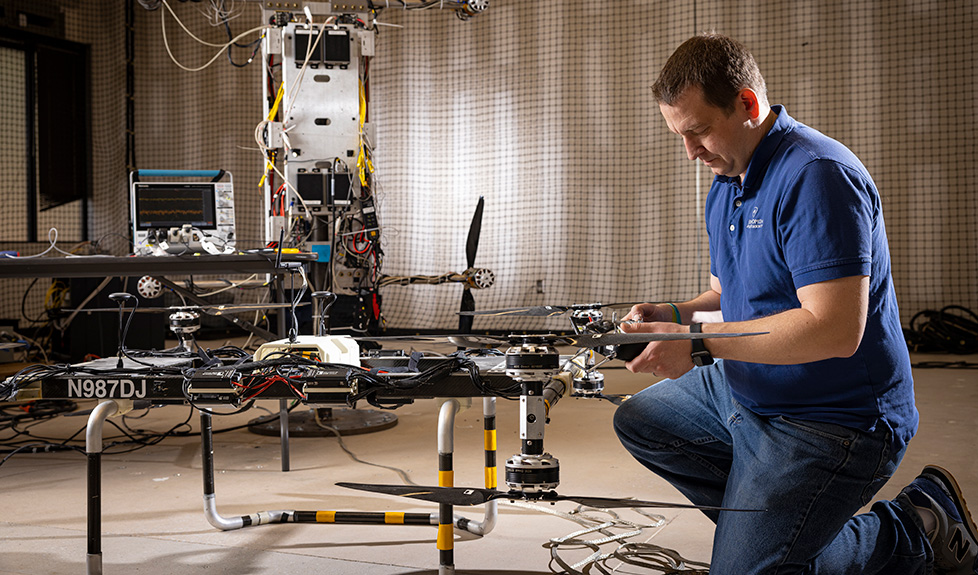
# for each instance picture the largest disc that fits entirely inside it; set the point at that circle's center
(701, 356)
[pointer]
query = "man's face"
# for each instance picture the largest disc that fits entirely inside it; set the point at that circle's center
(722, 141)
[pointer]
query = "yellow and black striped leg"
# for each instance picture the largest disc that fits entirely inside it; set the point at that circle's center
(446, 478)
(489, 434)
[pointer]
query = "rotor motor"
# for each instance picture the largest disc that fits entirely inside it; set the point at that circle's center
(532, 474)
(472, 8)
(479, 278)
(149, 287)
(589, 384)
(184, 321)
(532, 361)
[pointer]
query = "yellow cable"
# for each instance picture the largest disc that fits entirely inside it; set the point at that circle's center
(271, 115)
(278, 100)
(363, 160)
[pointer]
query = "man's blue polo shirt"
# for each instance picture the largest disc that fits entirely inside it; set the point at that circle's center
(808, 212)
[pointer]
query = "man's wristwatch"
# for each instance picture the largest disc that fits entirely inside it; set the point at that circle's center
(701, 356)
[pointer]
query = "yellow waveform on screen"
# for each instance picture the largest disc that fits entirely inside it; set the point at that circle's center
(171, 212)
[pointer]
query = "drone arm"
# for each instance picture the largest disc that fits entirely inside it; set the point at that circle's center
(554, 390)
(478, 278)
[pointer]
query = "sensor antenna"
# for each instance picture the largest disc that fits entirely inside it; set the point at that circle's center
(323, 300)
(121, 298)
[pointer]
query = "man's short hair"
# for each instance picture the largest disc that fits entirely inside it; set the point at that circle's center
(721, 66)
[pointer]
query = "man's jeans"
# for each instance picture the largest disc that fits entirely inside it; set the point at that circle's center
(809, 477)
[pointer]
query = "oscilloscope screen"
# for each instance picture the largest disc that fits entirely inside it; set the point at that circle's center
(173, 205)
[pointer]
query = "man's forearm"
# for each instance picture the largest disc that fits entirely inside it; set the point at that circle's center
(829, 323)
(706, 301)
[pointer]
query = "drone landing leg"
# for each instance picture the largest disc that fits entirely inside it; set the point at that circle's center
(283, 429)
(286, 516)
(93, 449)
(447, 520)
(207, 468)
(446, 478)
(489, 436)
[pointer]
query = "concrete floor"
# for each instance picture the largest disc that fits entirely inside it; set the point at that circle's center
(153, 523)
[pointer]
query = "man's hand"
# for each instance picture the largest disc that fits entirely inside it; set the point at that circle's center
(649, 312)
(661, 358)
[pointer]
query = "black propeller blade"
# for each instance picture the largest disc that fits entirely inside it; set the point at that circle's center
(466, 311)
(547, 310)
(213, 309)
(590, 340)
(465, 496)
(475, 229)
(618, 338)
(471, 248)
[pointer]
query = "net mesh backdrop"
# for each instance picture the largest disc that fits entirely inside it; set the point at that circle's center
(544, 109)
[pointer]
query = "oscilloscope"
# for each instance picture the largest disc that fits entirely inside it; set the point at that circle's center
(178, 217)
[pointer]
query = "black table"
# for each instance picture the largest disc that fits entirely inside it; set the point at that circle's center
(105, 266)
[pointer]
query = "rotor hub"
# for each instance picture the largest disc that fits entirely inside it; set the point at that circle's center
(479, 278)
(582, 318)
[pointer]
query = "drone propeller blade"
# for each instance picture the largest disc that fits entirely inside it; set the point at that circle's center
(466, 496)
(624, 304)
(213, 309)
(613, 502)
(537, 310)
(465, 319)
(470, 341)
(449, 495)
(245, 307)
(116, 310)
(591, 340)
(475, 229)
(476, 341)
(548, 310)
(399, 338)
(618, 338)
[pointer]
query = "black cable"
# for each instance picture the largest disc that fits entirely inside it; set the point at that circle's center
(952, 329)
(223, 15)
(96, 245)
(945, 364)
(139, 438)
(38, 409)
(23, 304)
(142, 442)
(34, 446)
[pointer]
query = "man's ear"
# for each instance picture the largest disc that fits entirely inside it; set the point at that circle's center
(748, 100)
